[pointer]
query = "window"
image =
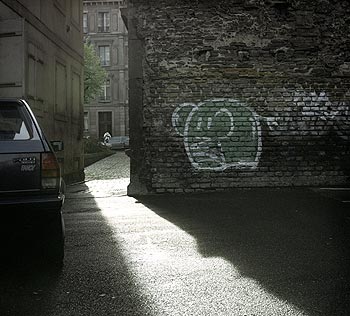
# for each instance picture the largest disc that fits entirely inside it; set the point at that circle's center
(35, 77)
(61, 89)
(104, 123)
(106, 91)
(85, 22)
(31, 77)
(14, 124)
(75, 95)
(86, 121)
(104, 53)
(75, 13)
(103, 22)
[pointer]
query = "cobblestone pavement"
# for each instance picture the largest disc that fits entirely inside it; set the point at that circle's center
(116, 166)
(107, 177)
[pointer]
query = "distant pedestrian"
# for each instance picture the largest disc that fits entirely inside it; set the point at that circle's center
(106, 137)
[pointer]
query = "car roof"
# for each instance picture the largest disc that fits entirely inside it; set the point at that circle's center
(7, 99)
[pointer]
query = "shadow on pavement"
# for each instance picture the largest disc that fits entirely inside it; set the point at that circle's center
(295, 243)
(94, 280)
(23, 271)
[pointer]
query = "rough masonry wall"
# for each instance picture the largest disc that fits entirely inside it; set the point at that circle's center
(243, 93)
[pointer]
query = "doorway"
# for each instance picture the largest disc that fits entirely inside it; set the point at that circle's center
(104, 123)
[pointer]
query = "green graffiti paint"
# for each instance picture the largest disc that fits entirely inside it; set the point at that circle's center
(219, 134)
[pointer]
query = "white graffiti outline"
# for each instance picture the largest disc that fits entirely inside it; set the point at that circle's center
(336, 116)
(256, 131)
(175, 117)
(229, 114)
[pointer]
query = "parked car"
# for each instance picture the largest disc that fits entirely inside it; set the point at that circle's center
(118, 142)
(30, 180)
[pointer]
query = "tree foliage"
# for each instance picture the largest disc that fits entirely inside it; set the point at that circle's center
(94, 75)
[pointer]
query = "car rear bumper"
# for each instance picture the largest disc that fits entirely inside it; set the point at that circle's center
(37, 202)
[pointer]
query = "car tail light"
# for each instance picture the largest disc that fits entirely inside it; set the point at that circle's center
(50, 171)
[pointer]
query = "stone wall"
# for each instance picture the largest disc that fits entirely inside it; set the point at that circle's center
(41, 60)
(238, 94)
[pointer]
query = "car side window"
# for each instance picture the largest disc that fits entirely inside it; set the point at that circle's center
(15, 124)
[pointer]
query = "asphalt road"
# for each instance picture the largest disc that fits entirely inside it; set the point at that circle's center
(248, 252)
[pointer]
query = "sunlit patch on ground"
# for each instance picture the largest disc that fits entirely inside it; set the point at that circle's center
(107, 188)
(174, 275)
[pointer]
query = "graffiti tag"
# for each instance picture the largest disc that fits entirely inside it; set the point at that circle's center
(225, 133)
(219, 134)
(335, 115)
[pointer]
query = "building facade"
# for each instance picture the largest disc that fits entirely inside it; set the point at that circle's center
(227, 94)
(104, 28)
(41, 60)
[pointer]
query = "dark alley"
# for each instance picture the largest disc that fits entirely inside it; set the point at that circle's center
(247, 252)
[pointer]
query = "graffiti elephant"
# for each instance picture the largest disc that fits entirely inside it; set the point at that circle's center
(219, 134)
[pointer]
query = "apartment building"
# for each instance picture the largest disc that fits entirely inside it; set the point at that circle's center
(104, 28)
(41, 60)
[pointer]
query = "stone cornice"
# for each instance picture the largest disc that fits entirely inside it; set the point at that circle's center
(105, 2)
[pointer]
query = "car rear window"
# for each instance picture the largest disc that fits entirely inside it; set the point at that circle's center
(15, 123)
